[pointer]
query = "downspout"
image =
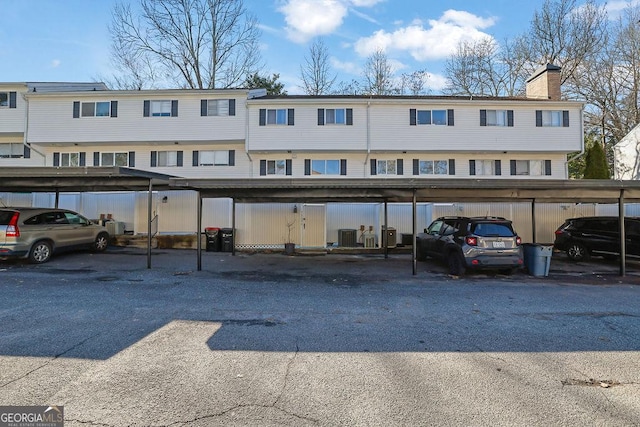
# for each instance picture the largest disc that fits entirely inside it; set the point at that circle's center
(581, 153)
(366, 159)
(26, 132)
(246, 136)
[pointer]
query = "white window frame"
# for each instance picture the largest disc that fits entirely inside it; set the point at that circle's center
(4, 103)
(433, 167)
(167, 159)
(276, 117)
(497, 118)
(335, 116)
(213, 158)
(160, 108)
(15, 151)
(218, 107)
(387, 167)
(430, 120)
(325, 167)
(115, 156)
(92, 109)
(276, 167)
(552, 118)
(69, 160)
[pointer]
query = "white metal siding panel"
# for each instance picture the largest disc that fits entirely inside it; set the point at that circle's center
(12, 120)
(16, 199)
(51, 121)
(305, 134)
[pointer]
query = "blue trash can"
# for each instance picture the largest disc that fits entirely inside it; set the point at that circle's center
(537, 259)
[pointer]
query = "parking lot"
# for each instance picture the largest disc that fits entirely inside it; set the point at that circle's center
(269, 339)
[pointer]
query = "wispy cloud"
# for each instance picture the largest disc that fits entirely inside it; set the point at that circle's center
(55, 63)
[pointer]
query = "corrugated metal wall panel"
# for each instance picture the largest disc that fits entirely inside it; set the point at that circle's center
(351, 216)
(16, 199)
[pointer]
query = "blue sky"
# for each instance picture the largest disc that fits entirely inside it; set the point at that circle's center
(68, 40)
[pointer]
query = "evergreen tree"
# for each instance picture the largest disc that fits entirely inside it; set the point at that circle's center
(271, 84)
(596, 166)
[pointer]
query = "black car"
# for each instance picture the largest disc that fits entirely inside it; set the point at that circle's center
(471, 243)
(597, 235)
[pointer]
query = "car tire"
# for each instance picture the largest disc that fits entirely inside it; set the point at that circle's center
(577, 252)
(456, 264)
(101, 242)
(40, 252)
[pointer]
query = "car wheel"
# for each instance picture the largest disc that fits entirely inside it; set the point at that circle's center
(577, 252)
(101, 243)
(456, 264)
(40, 252)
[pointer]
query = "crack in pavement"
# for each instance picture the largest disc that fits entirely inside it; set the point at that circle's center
(48, 361)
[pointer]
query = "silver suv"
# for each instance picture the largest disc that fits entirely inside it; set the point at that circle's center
(471, 243)
(36, 233)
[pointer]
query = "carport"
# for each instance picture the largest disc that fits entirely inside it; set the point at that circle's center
(83, 179)
(381, 190)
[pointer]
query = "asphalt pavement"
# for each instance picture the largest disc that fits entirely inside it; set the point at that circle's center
(272, 340)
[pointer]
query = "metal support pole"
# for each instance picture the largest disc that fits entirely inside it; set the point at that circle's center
(533, 220)
(623, 248)
(385, 235)
(149, 219)
(413, 241)
(199, 233)
(56, 203)
(233, 227)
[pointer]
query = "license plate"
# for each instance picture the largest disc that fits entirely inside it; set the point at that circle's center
(498, 245)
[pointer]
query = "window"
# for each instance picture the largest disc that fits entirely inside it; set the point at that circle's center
(214, 158)
(485, 167)
(496, 117)
(433, 167)
(335, 116)
(12, 150)
(114, 159)
(167, 158)
(218, 107)
(276, 167)
(386, 167)
(280, 116)
(96, 109)
(160, 108)
(431, 117)
(549, 118)
(325, 167)
(531, 167)
(4, 99)
(70, 159)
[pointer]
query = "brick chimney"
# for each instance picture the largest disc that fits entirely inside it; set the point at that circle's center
(544, 83)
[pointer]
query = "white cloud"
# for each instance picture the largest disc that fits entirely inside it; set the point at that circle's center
(436, 41)
(436, 82)
(346, 66)
(55, 63)
(307, 19)
(616, 7)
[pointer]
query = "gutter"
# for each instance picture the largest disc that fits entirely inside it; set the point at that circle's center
(366, 159)
(246, 135)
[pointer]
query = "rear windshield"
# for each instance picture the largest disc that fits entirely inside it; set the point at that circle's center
(5, 217)
(492, 229)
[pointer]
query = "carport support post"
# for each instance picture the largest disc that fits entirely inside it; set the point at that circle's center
(413, 241)
(233, 227)
(56, 203)
(199, 232)
(533, 220)
(385, 235)
(149, 207)
(623, 249)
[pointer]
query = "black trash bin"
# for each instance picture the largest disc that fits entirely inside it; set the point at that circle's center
(226, 237)
(213, 239)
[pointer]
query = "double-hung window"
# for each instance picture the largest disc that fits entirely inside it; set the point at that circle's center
(70, 159)
(335, 116)
(277, 117)
(531, 167)
(431, 117)
(218, 107)
(96, 109)
(214, 158)
(552, 118)
(485, 167)
(496, 118)
(114, 159)
(160, 108)
(166, 158)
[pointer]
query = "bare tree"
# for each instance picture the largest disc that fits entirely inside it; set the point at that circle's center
(414, 83)
(316, 73)
(189, 43)
(378, 75)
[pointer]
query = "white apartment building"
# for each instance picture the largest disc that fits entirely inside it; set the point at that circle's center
(240, 133)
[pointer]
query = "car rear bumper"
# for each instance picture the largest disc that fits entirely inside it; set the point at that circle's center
(489, 262)
(12, 253)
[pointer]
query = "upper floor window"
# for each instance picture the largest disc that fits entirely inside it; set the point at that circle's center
(431, 117)
(95, 109)
(485, 167)
(162, 108)
(70, 159)
(325, 167)
(166, 158)
(218, 107)
(552, 118)
(531, 167)
(114, 159)
(279, 116)
(214, 158)
(386, 167)
(7, 99)
(432, 167)
(12, 150)
(335, 116)
(275, 167)
(496, 117)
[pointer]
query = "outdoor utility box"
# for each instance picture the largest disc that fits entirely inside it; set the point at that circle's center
(389, 238)
(537, 258)
(226, 238)
(407, 239)
(213, 239)
(347, 238)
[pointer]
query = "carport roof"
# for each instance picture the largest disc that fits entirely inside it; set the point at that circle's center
(402, 190)
(65, 179)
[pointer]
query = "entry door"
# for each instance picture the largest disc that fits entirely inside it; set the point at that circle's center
(313, 224)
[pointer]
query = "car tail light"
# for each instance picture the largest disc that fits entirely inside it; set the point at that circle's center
(518, 241)
(559, 232)
(12, 227)
(471, 241)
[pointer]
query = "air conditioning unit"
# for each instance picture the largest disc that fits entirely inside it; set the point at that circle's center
(115, 228)
(370, 241)
(347, 238)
